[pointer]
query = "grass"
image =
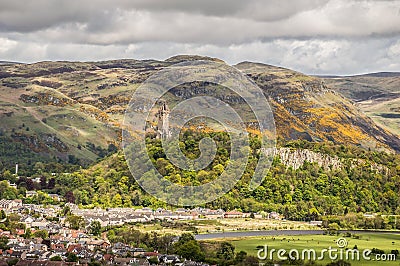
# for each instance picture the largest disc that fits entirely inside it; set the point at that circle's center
(223, 225)
(386, 242)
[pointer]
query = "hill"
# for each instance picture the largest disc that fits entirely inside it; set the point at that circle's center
(72, 111)
(376, 94)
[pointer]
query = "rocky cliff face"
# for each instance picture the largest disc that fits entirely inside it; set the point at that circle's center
(296, 158)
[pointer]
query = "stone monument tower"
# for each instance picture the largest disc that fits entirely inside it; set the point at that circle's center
(162, 115)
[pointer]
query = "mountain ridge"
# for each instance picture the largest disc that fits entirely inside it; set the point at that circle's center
(74, 109)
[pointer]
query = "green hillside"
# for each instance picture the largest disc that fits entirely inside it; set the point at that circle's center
(72, 111)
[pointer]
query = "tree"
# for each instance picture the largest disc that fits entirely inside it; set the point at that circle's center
(75, 222)
(185, 237)
(28, 233)
(95, 228)
(43, 234)
(251, 261)
(2, 215)
(43, 182)
(56, 258)
(226, 251)
(240, 256)
(3, 242)
(71, 257)
(66, 211)
(69, 197)
(52, 183)
(339, 263)
(29, 184)
(190, 250)
(117, 200)
(12, 262)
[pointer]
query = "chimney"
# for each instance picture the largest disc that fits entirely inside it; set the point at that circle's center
(16, 169)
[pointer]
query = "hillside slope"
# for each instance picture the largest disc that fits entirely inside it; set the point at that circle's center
(73, 110)
(376, 94)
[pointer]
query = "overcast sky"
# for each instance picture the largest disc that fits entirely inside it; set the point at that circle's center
(312, 36)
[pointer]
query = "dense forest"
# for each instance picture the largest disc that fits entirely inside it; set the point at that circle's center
(300, 194)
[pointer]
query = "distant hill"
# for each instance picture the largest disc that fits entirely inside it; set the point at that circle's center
(72, 111)
(376, 75)
(376, 94)
(8, 63)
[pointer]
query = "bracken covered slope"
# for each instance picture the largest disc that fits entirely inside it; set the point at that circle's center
(74, 110)
(376, 94)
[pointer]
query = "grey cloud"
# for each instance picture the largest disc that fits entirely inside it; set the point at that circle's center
(313, 36)
(176, 20)
(333, 19)
(40, 14)
(313, 56)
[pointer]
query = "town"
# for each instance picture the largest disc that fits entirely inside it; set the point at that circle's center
(33, 234)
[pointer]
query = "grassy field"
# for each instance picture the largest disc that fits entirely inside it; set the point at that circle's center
(386, 242)
(223, 225)
(378, 110)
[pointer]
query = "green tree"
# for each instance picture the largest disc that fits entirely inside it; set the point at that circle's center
(28, 233)
(71, 257)
(95, 228)
(41, 233)
(226, 251)
(75, 222)
(56, 258)
(2, 215)
(190, 250)
(3, 242)
(240, 257)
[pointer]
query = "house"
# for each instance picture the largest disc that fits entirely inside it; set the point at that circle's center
(233, 214)
(213, 214)
(44, 263)
(138, 252)
(369, 215)
(41, 224)
(30, 194)
(74, 248)
(274, 216)
(149, 255)
(19, 232)
(258, 215)
(108, 257)
(10, 204)
(144, 211)
(55, 197)
(135, 219)
(28, 221)
(316, 223)
(84, 254)
(97, 244)
(168, 259)
(37, 247)
(192, 263)
(131, 262)
(58, 247)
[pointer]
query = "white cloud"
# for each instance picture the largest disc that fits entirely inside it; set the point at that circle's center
(6, 45)
(394, 50)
